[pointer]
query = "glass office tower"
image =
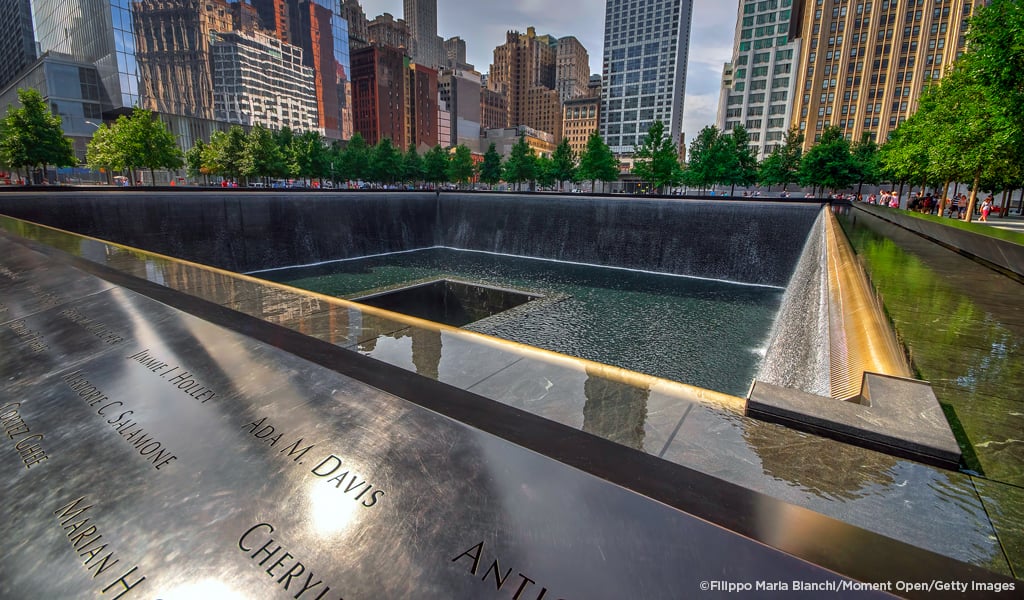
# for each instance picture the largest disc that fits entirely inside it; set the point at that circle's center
(646, 44)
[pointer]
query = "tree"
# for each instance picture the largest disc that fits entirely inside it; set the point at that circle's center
(230, 152)
(521, 164)
(865, 158)
(311, 156)
(460, 166)
(597, 163)
(193, 160)
(355, 159)
(782, 166)
(412, 165)
(829, 164)
(656, 159)
(435, 165)
(145, 143)
(741, 162)
(261, 155)
(31, 136)
(103, 152)
(385, 162)
(490, 168)
(708, 157)
(563, 163)
(288, 167)
(545, 173)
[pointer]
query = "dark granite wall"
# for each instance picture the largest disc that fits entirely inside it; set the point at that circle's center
(753, 242)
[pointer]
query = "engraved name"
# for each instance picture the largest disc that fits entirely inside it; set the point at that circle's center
(175, 375)
(49, 300)
(348, 481)
(264, 431)
(94, 327)
(144, 443)
(526, 585)
(29, 447)
(289, 577)
(30, 336)
(85, 538)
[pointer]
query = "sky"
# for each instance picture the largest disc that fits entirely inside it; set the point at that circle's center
(483, 23)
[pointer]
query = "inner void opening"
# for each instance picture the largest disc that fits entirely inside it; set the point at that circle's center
(707, 333)
(454, 303)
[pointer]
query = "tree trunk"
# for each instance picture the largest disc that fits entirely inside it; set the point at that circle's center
(942, 199)
(1004, 207)
(900, 195)
(974, 196)
(152, 177)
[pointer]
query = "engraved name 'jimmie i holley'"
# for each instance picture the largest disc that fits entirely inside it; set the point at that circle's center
(29, 446)
(152, 450)
(175, 375)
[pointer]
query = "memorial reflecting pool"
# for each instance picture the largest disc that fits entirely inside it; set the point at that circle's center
(702, 332)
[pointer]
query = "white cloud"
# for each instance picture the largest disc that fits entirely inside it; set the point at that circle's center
(699, 111)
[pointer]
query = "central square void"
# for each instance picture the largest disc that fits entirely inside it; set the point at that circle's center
(454, 303)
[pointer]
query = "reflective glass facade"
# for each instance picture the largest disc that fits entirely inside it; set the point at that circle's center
(646, 44)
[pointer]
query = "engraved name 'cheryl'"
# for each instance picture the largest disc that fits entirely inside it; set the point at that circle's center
(268, 551)
(145, 444)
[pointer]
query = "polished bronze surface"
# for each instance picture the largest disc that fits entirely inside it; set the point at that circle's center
(861, 339)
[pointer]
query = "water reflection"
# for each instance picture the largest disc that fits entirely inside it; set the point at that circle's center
(963, 329)
(614, 410)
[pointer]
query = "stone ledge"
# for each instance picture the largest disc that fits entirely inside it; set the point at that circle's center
(895, 415)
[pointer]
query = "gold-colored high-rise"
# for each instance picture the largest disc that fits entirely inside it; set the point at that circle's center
(863, 64)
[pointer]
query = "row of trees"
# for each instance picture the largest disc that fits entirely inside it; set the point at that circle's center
(970, 127)
(718, 158)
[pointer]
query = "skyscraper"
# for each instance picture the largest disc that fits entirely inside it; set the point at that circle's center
(524, 70)
(646, 44)
(572, 69)
(758, 86)
(863, 66)
(428, 47)
(16, 43)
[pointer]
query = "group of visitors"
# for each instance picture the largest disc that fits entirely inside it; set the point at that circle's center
(929, 204)
(885, 198)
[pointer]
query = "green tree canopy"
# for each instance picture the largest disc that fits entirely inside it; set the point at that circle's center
(412, 165)
(30, 136)
(262, 157)
(460, 166)
(656, 159)
(435, 165)
(490, 169)
(311, 155)
(741, 161)
(521, 164)
(782, 166)
(385, 162)
(563, 163)
(829, 165)
(597, 163)
(708, 158)
(355, 159)
(103, 152)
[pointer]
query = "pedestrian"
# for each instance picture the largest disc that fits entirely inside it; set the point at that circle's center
(986, 208)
